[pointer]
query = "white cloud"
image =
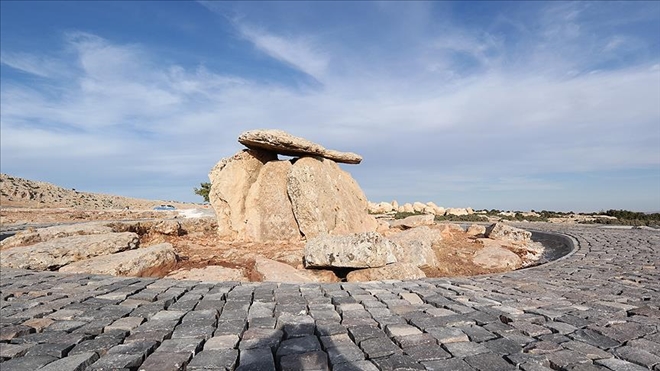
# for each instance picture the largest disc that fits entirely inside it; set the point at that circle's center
(297, 52)
(32, 64)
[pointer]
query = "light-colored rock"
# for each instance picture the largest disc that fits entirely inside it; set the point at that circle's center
(326, 199)
(408, 208)
(274, 271)
(413, 221)
(281, 142)
(418, 207)
(495, 257)
(213, 273)
(501, 231)
(144, 262)
(449, 229)
(456, 211)
(395, 205)
(476, 230)
(268, 211)
(395, 271)
(231, 179)
(415, 246)
(440, 211)
(385, 207)
(59, 252)
(469, 210)
(357, 250)
(383, 226)
(168, 227)
(428, 210)
(32, 236)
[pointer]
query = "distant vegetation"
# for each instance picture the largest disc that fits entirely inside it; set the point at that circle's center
(626, 217)
(204, 191)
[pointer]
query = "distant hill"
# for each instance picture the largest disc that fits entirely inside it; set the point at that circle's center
(19, 192)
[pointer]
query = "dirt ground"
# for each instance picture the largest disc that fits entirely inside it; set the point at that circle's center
(200, 246)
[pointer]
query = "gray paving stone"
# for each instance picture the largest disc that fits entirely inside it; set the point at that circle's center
(447, 335)
(117, 362)
(256, 359)
(47, 349)
(355, 366)
(260, 338)
(453, 364)
(76, 362)
(310, 361)
(223, 359)
(298, 345)
(221, 342)
(27, 363)
(397, 362)
(170, 361)
(488, 361)
(345, 353)
(365, 332)
(619, 365)
(379, 347)
(427, 353)
(465, 349)
(13, 350)
(638, 356)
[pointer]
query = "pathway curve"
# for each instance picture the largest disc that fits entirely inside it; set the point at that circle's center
(597, 309)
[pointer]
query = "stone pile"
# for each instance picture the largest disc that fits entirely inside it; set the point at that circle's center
(257, 197)
(416, 207)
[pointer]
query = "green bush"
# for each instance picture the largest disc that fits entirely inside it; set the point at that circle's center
(204, 191)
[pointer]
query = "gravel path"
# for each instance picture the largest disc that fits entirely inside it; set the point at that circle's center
(597, 309)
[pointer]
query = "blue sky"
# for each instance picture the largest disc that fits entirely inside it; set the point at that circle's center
(507, 105)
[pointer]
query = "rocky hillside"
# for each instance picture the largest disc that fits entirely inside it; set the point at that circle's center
(19, 192)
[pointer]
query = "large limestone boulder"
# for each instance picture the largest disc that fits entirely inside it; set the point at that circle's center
(144, 262)
(395, 271)
(358, 250)
(59, 252)
(418, 207)
(413, 221)
(415, 246)
(326, 199)
(501, 231)
(281, 142)
(268, 211)
(476, 230)
(231, 179)
(32, 236)
(274, 271)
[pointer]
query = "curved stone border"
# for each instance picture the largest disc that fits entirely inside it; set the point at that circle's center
(596, 309)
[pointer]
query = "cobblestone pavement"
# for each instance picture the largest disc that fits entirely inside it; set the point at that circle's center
(597, 309)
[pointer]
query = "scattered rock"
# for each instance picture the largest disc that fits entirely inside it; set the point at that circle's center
(281, 142)
(358, 250)
(274, 271)
(213, 273)
(418, 207)
(395, 271)
(496, 257)
(448, 229)
(326, 199)
(168, 227)
(144, 262)
(476, 230)
(413, 221)
(32, 236)
(415, 246)
(501, 231)
(59, 252)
